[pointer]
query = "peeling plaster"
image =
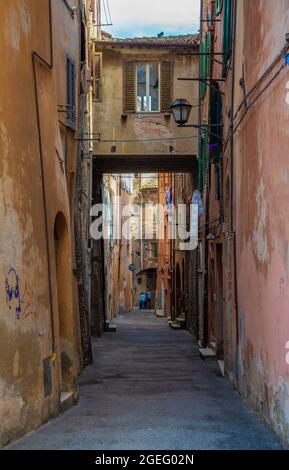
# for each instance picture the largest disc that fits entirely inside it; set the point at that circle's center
(18, 22)
(25, 17)
(259, 234)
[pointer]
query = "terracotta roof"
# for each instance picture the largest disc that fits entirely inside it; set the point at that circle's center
(188, 40)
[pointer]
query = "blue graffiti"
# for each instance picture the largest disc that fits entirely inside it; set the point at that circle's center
(13, 291)
(14, 299)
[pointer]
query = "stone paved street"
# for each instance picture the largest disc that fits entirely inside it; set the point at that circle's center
(148, 389)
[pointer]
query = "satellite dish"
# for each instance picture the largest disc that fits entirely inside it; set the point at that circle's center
(132, 267)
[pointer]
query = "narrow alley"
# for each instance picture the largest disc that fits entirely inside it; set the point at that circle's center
(148, 389)
(144, 226)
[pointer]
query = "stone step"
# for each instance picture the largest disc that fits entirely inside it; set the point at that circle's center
(175, 326)
(207, 353)
(221, 365)
(160, 313)
(109, 327)
(67, 400)
(181, 322)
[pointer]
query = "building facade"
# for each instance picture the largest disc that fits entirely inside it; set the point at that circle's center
(243, 288)
(137, 82)
(42, 48)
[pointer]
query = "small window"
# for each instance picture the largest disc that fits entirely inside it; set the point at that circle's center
(70, 92)
(147, 87)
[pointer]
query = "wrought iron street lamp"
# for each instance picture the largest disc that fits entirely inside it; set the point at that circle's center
(181, 110)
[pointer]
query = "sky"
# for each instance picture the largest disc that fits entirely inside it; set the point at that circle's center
(138, 18)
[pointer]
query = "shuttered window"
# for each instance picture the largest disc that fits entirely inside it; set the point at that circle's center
(204, 66)
(205, 160)
(218, 6)
(227, 34)
(167, 70)
(97, 76)
(200, 165)
(156, 249)
(129, 88)
(147, 86)
(70, 92)
(209, 50)
(215, 118)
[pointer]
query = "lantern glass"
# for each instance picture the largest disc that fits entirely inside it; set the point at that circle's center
(181, 110)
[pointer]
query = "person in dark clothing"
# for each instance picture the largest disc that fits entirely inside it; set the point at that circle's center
(148, 299)
(142, 301)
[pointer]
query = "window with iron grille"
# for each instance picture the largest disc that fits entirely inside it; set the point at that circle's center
(70, 92)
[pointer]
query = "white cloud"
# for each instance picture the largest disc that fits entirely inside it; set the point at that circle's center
(139, 17)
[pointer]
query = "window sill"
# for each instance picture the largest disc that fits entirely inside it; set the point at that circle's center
(153, 113)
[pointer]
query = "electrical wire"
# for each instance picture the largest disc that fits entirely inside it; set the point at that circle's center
(105, 12)
(109, 14)
(262, 78)
(235, 128)
(157, 139)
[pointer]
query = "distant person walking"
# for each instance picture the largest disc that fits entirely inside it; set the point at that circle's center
(142, 301)
(148, 299)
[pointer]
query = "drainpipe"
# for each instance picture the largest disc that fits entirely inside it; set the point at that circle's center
(205, 335)
(200, 73)
(49, 65)
(232, 172)
(200, 267)
(173, 308)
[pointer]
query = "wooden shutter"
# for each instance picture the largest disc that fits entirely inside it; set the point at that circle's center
(167, 69)
(129, 86)
(97, 76)
(70, 92)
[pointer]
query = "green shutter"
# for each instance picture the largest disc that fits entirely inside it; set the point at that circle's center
(204, 66)
(205, 61)
(156, 250)
(205, 160)
(200, 165)
(218, 6)
(227, 34)
(215, 138)
(209, 50)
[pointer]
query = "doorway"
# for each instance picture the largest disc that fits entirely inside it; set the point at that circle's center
(178, 292)
(219, 302)
(64, 301)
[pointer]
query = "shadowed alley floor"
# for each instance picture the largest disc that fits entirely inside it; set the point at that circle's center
(148, 390)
